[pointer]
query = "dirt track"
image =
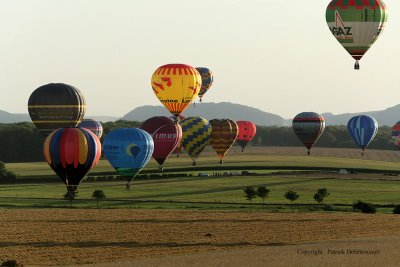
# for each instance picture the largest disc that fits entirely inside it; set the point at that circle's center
(57, 236)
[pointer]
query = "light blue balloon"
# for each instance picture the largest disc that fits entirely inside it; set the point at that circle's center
(128, 150)
(362, 129)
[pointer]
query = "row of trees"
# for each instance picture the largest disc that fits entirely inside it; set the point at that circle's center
(250, 192)
(21, 142)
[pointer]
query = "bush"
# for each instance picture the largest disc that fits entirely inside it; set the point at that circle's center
(364, 207)
(328, 207)
(11, 263)
(291, 195)
(396, 210)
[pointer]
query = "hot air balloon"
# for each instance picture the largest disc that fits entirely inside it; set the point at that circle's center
(356, 24)
(308, 126)
(128, 150)
(206, 80)
(196, 134)
(92, 125)
(176, 85)
(166, 136)
(71, 153)
(396, 134)
(362, 129)
(247, 131)
(56, 105)
(223, 136)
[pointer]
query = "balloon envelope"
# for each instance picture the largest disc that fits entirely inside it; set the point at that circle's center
(176, 85)
(206, 80)
(396, 134)
(223, 135)
(247, 131)
(356, 24)
(362, 129)
(71, 153)
(56, 105)
(308, 126)
(92, 125)
(128, 150)
(196, 134)
(166, 136)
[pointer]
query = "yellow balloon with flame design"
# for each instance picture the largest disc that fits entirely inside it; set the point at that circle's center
(176, 85)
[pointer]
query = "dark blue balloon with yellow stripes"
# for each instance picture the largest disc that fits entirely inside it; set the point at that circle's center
(196, 134)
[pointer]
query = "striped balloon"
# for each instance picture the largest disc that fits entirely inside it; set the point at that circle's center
(206, 80)
(128, 150)
(308, 126)
(196, 134)
(396, 134)
(224, 134)
(56, 105)
(71, 153)
(362, 129)
(356, 24)
(92, 125)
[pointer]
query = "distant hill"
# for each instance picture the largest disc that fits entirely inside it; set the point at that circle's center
(236, 112)
(6, 117)
(210, 111)
(388, 116)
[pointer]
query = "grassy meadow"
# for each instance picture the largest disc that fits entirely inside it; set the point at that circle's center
(219, 192)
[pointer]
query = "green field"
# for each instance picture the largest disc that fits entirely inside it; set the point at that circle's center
(217, 192)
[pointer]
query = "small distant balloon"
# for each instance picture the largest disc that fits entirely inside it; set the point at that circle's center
(247, 131)
(206, 80)
(362, 129)
(396, 134)
(308, 126)
(223, 136)
(92, 125)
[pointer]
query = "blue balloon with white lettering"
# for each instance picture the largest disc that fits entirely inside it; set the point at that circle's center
(128, 150)
(362, 129)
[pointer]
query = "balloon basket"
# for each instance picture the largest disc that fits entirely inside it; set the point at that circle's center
(194, 163)
(357, 65)
(221, 161)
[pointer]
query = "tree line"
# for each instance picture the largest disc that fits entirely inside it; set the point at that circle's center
(22, 142)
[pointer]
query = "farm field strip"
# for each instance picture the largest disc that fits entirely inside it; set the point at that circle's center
(68, 236)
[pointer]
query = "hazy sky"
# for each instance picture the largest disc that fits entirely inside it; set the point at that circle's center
(275, 55)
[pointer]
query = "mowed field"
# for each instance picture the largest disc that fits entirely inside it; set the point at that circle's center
(64, 236)
(190, 215)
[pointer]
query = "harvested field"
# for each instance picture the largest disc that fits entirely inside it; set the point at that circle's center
(68, 236)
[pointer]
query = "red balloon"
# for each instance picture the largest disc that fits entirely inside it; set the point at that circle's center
(166, 136)
(247, 131)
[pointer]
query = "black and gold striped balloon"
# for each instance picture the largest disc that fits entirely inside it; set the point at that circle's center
(56, 105)
(223, 135)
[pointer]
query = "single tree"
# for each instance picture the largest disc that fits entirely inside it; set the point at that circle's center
(70, 196)
(250, 193)
(319, 198)
(98, 195)
(262, 192)
(291, 195)
(323, 192)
